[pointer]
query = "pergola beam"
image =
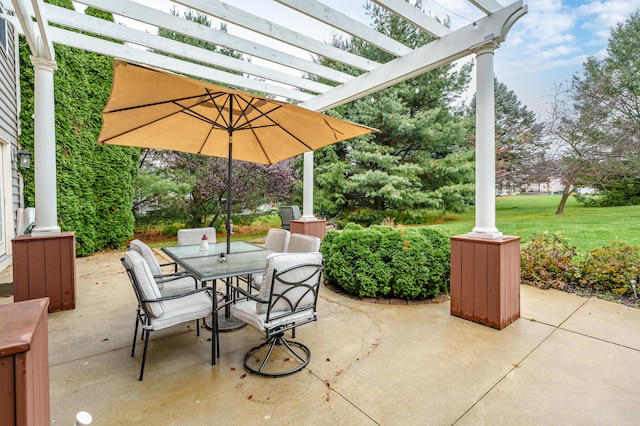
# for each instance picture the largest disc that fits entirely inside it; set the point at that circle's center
(415, 16)
(91, 44)
(45, 47)
(322, 13)
(278, 32)
(445, 50)
(113, 30)
(183, 26)
(487, 6)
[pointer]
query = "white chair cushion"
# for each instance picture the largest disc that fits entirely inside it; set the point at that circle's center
(184, 309)
(301, 243)
(146, 281)
(247, 311)
(148, 255)
(177, 286)
(280, 262)
(193, 236)
(257, 280)
(277, 240)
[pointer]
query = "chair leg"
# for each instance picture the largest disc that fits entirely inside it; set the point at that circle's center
(215, 343)
(135, 336)
(144, 353)
(303, 357)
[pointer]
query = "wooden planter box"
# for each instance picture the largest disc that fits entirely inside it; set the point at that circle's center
(314, 227)
(45, 267)
(485, 280)
(24, 363)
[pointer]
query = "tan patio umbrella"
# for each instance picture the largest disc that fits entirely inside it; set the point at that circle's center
(152, 108)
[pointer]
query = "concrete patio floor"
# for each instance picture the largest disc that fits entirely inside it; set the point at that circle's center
(567, 360)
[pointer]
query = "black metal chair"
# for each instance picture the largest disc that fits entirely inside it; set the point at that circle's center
(157, 312)
(287, 214)
(287, 300)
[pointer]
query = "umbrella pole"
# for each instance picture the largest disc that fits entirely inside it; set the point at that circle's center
(229, 192)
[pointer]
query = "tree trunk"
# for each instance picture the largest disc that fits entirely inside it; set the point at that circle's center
(565, 196)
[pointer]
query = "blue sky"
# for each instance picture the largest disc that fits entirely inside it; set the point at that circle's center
(551, 42)
(543, 49)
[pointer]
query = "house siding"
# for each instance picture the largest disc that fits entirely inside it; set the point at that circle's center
(9, 131)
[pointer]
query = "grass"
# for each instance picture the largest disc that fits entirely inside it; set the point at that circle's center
(584, 227)
(523, 215)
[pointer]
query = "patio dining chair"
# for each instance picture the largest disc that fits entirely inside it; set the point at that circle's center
(157, 312)
(148, 255)
(287, 300)
(287, 214)
(169, 283)
(277, 240)
(302, 243)
(192, 236)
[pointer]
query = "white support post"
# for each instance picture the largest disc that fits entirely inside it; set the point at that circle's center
(307, 195)
(45, 149)
(485, 146)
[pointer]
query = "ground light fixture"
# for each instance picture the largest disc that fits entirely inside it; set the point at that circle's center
(634, 285)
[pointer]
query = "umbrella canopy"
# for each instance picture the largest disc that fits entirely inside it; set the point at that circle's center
(152, 108)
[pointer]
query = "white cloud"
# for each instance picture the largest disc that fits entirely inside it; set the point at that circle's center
(601, 16)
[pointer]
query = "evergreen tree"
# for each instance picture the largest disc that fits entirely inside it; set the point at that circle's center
(393, 171)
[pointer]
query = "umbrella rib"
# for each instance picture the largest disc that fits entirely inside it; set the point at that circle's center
(169, 101)
(333, 129)
(184, 109)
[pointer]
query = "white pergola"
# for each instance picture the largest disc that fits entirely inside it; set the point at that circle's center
(274, 70)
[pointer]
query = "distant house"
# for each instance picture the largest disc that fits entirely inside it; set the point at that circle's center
(10, 181)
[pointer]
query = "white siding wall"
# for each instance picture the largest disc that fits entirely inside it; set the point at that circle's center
(9, 110)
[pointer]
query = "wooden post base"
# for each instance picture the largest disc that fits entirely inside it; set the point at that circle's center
(45, 267)
(485, 279)
(314, 227)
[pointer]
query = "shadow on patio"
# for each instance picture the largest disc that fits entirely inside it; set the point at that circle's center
(567, 360)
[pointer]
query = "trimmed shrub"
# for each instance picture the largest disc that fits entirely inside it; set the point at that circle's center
(609, 269)
(369, 217)
(546, 261)
(406, 263)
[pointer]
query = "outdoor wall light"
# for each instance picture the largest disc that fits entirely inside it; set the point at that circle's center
(24, 159)
(475, 26)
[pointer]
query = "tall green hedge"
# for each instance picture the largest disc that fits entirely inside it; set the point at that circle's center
(94, 183)
(405, 263)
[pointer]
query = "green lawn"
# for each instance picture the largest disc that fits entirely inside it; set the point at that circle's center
(524, 215)
(584, 227)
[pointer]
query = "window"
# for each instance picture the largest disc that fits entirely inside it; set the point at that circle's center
(3, 31)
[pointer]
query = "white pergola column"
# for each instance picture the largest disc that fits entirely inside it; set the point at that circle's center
(307, 180)
(485, 145)
(45, 148)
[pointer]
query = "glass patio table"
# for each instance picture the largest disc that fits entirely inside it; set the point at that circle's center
(243, 259)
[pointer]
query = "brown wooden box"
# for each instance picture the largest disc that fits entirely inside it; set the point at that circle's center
(45, 266)
(314, 227)
(485, 279)
(24, 363)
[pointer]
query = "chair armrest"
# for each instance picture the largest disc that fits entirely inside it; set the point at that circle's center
(174, 264)
(172, 276)
(177, 296)
(246, 293)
